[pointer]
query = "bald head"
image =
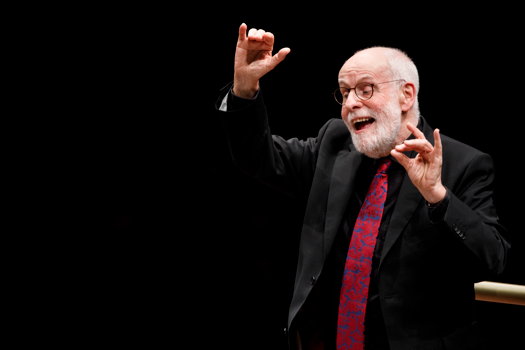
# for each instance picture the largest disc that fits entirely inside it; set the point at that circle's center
(391, 63)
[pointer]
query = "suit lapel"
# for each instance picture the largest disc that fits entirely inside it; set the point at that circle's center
(408, 200)
(341, 185)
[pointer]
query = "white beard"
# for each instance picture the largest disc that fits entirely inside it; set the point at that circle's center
(381, 138)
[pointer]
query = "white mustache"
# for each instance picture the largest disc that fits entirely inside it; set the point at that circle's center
(360, 114)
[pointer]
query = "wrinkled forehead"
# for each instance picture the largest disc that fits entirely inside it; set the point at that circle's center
(364, 65)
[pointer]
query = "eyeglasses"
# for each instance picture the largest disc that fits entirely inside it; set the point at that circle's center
(363, 91)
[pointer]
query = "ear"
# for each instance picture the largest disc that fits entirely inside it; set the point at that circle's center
(407, 97)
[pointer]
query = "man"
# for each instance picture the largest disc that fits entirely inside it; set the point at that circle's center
(436, 233)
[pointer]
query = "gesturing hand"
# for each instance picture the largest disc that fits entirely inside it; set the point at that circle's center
(425, 169)
(253, 59)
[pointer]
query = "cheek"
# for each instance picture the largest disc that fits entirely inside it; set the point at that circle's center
(345, 110)
(377, 109)
(345, 119)
(377, 105)
(344, 113)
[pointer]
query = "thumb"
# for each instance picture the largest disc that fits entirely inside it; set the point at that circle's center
(400, 157)
(280, 56)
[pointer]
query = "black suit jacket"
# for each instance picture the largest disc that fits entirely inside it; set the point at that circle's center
(427, 270)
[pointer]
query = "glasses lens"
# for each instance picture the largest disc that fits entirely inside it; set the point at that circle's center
(364, 91)
(338, 96)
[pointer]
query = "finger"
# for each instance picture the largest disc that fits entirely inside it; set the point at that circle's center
(405, 148)
(438, 148)
(419, 145)
(256, 45)
(281, 55)
(252, 33)
(268, 38)
(401, 158)
(417, 133)
(260, 33)
(242, 31)
(256, 34)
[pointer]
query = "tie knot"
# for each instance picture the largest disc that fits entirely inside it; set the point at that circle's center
(383, 165)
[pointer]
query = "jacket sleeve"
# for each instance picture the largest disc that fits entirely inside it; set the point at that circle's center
(471, 216)
(287, 165)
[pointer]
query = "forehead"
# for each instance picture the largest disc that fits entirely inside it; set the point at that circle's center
(364, 65)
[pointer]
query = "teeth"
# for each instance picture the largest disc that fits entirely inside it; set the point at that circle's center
(358, 120)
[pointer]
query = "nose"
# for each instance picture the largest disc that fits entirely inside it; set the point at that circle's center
(352, 101)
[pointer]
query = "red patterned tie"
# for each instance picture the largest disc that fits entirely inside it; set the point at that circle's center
(356, 278)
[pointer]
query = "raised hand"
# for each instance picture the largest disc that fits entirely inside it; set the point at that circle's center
(253, 59)
(425, 169)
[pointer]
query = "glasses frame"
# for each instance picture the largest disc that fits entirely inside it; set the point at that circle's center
(338, 90)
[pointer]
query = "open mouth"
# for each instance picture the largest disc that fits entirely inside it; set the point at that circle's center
(362, 123)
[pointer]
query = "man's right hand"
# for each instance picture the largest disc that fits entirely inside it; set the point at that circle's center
(253, 59)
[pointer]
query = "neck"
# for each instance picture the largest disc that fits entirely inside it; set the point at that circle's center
(404, 133)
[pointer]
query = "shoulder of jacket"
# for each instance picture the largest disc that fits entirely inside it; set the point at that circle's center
(334, 127)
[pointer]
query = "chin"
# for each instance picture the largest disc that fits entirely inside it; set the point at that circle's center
(376, 155)
(371, 146)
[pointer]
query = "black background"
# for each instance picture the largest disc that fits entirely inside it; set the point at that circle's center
(169, 243)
